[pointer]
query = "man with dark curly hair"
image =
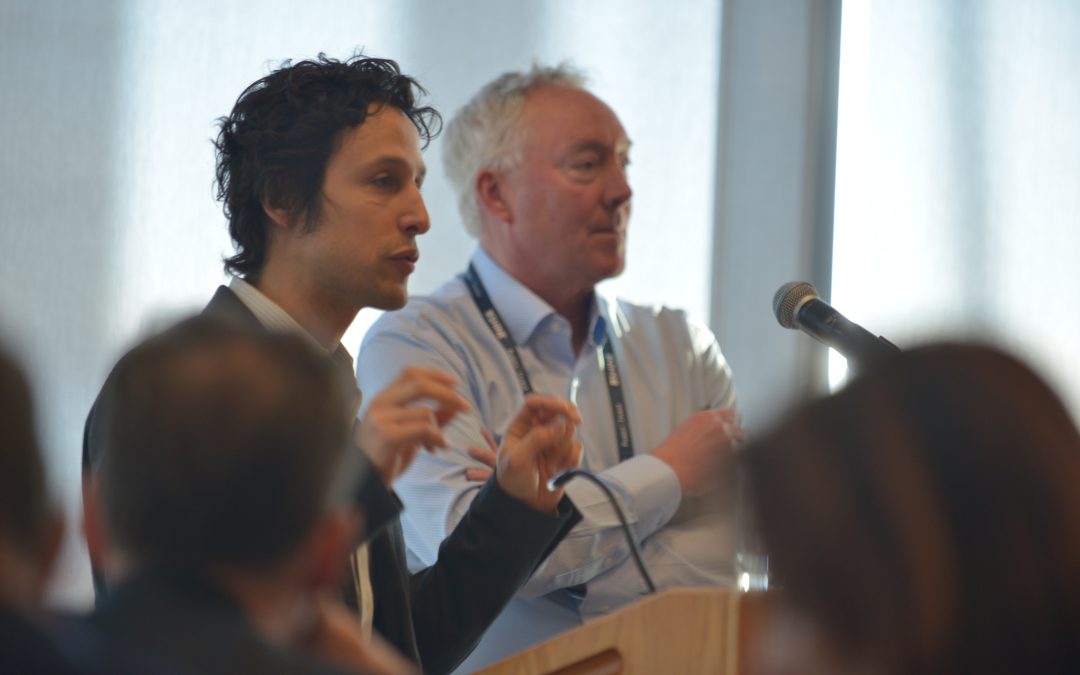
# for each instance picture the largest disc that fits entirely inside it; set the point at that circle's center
(319, 168)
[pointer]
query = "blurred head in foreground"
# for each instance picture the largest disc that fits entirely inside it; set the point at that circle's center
(226, 457)
(29, 528)
(926, 519)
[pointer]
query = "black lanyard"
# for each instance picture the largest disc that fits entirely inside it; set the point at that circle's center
(605, 352)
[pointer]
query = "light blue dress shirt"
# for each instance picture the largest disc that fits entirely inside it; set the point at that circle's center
(670, 366)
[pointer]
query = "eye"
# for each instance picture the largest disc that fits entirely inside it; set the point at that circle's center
(384, 181)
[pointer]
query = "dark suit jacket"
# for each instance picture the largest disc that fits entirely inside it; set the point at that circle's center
(437, 615)
(65, 645)
(26, 648)
(183, 620)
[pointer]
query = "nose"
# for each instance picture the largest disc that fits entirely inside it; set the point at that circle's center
(618, 189)
(414, 221)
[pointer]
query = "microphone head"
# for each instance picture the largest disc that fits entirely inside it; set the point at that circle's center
(788, 299)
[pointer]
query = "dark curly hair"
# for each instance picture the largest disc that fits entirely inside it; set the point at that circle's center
(275, 144)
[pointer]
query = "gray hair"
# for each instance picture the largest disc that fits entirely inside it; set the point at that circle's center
(484, 134)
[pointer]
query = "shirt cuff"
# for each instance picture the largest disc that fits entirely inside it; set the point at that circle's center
(649, 489)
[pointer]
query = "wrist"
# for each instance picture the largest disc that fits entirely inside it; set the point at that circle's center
(387, 477)
(383, 468)
(509, 488)
(546, 502)
(662, 454)
(533, 496)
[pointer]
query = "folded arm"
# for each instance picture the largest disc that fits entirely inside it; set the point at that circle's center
(438, 493)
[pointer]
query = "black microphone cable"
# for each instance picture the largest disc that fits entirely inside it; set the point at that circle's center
(565, 477)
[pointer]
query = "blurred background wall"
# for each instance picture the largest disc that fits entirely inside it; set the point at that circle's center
(918, 160)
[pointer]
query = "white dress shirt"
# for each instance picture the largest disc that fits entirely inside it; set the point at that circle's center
(670, 368)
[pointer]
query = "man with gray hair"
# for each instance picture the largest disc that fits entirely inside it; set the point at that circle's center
(540, 166)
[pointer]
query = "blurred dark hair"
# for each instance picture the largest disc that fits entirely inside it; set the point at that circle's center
(24, 508)
(221, 446)
(275, 144)
(927, 516)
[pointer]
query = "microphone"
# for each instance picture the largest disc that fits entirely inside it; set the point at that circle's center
(798, 306)
(566, 476)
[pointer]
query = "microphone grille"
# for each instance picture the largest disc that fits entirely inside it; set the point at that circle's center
(787, 300)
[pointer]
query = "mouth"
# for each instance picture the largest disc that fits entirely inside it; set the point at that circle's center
(409, 254)
(406, 259)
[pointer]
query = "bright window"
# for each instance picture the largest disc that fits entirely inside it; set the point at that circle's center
(958, 176)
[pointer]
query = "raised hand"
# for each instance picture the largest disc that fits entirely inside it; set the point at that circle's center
(538, 445)
(394, 428)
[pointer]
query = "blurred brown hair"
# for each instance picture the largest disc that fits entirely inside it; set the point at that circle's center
(223, 446)
(927, 516)
(24, 508)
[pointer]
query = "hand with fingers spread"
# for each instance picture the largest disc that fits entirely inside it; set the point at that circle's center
(395, 427)
(538, 445)
(699, 448)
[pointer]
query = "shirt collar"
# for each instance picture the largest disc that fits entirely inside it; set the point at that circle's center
(522, 311)
(276, 319)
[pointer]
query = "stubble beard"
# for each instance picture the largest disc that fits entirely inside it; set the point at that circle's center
(389, 298)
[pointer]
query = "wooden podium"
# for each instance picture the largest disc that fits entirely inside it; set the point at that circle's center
(682, 630)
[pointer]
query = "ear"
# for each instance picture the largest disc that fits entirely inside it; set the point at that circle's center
(333, 539)
(94, 522)
(490, 194)
(277, 215)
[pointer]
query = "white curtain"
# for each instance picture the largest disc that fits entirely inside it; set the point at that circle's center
(958, 175)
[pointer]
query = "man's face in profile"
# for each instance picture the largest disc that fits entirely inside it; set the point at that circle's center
(363, 248)
(569, 196)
